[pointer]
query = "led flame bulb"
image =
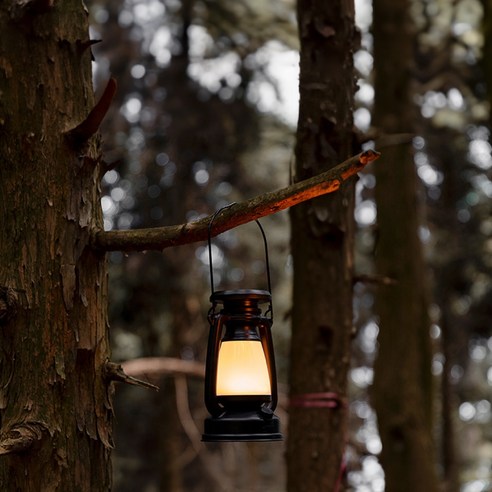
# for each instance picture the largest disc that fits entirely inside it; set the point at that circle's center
(242, 369)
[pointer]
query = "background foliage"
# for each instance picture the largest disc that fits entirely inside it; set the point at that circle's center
(205, 115)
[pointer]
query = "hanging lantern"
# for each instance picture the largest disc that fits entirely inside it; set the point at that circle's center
(240, 378)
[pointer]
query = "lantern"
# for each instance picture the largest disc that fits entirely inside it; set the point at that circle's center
(240, 378)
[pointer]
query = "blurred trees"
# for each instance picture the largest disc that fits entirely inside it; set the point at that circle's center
(451, 158)
(187, 137)
(218, 71)
(457, 206)
(402, 390)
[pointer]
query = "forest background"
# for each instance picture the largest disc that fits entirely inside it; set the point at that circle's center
(204, 115)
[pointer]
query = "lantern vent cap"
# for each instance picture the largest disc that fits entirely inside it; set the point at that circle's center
(240, 295)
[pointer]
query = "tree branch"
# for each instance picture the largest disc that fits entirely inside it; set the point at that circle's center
(82, 132)
(114, 372)
(155, 367)
(160, 238)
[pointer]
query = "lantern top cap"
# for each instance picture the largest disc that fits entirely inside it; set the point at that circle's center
(240, 295)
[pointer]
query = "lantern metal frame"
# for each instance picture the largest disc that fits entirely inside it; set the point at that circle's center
(241, 417)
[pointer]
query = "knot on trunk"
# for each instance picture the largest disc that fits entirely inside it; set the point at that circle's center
(20, 437)
(9, 302)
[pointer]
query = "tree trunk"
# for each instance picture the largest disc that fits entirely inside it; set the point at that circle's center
(487, 51)
(322, 244)
(402, 393)
(54, 403)
(452, 251)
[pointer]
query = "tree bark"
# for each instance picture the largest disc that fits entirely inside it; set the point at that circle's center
(402, 390)
(322, 250)
(55, 405)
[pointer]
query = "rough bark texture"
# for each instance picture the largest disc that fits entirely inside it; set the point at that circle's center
(322, 244)
(402, 393)
(54, 401)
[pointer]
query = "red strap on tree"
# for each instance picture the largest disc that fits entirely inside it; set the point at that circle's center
(328, 399)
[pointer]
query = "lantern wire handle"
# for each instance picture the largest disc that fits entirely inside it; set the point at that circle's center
(267, 261)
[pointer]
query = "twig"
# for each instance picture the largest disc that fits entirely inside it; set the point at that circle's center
(374, 279)
(155, 367)
(392, 140)
(114, 372)
(384, 140)
(82, 132)
(108, 166)
(82, 46)
(85, 45)
(160, 238)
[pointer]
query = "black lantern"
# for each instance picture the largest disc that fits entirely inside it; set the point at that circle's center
(240, 378)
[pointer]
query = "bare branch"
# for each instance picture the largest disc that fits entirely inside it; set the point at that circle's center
(114, 372)
(155, 367)
(108, 166)
(82, 132)
(384, 140)
(82, 46)
(160, 238)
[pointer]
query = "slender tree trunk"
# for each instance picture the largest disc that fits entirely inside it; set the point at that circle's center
(450, 464)
(402, 393)
(487, 51)
(451, 251)
(322, 244)
(54, 404)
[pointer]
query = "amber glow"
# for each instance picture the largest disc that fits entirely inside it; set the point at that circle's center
(242, 369)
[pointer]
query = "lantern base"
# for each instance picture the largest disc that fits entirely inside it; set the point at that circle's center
(242, 426)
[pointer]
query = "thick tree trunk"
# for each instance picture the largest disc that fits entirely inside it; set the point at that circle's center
(54, 403)
(322, 244)
(402, 393)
